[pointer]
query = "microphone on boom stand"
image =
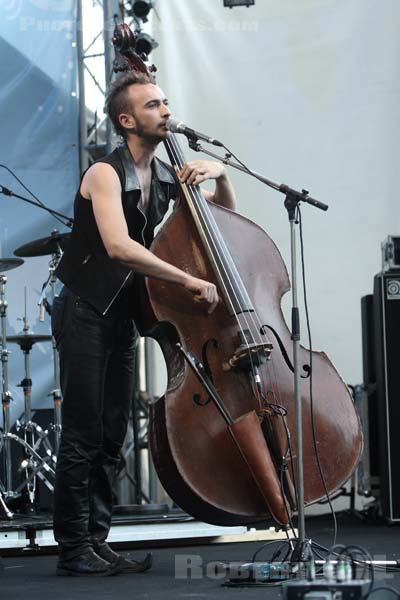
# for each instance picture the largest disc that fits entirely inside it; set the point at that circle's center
(177, 126)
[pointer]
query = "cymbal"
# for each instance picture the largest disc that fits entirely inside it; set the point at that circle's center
(6, 264)
(43, 246)
(26, 340)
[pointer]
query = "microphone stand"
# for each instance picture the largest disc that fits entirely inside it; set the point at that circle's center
(68, 221)
(302, 548)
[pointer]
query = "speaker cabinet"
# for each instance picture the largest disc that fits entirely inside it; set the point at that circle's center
(386, 335)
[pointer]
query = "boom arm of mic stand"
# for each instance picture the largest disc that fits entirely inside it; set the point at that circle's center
(54, 213)
(280, 187)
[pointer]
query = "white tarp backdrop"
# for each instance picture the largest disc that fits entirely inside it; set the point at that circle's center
(38, 141)
(306, 93)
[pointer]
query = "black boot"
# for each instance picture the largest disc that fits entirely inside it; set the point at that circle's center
(125, 565)
(87, 564)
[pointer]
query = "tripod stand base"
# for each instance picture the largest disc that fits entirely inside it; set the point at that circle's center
(5, 512)
(302, 551)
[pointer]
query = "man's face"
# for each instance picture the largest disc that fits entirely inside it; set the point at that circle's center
(148, 113)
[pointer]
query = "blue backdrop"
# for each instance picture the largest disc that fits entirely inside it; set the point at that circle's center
(39, 142)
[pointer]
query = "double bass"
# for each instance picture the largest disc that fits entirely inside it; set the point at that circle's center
(223, 436)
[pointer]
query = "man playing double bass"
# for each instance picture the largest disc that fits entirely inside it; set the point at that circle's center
(121, 199)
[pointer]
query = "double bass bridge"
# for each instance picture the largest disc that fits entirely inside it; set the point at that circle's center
(248, 354)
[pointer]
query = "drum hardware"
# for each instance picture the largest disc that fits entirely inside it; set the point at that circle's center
(53, 245)
(35, 470)
(33, 435)
(42, 436)
(6, 264)
(4, 506)
(57, 246)
(42, 461)
(25, 342)
(28, 426)
(6, 395)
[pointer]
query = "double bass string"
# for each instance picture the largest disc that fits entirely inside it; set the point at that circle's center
(206, 230)
(179, 160)
(221, 253)
(207, 225)
(177, 156)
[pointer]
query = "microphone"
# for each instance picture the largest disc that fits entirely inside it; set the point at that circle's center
(178, 127)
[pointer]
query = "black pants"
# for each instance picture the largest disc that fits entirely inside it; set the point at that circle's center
(97, 356)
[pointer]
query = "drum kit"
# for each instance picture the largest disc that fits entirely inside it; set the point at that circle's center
(39, 454)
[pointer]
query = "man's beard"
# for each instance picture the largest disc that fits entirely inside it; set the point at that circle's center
(151, 138)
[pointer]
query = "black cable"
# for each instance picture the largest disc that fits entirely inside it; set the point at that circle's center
(387, 588)
(332, 550)
(34, 196)
(316, 553)
(289, 550)
(249, 171)
(242, 584)
(340, 492)
(348, 551)
(282, 542)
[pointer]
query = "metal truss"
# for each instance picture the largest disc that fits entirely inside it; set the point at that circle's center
(95, 57)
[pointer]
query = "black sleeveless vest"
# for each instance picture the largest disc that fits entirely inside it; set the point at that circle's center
(85, 267)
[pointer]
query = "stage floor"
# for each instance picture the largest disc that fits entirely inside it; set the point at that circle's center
(34, 577)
